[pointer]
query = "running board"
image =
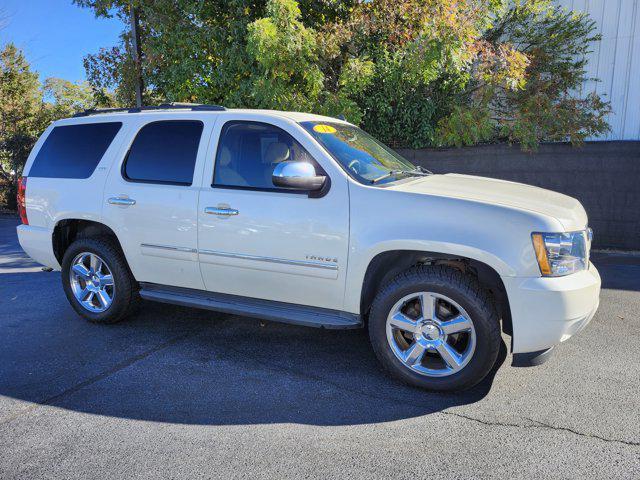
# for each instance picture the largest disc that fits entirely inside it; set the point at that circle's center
(251, 307)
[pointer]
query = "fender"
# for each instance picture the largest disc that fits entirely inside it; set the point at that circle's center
(359, 263)
(383, 220)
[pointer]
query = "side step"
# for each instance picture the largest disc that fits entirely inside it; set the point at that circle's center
(251, 307)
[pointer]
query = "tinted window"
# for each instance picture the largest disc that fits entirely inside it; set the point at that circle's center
(73, 151)
(164, 152)
(249, 151)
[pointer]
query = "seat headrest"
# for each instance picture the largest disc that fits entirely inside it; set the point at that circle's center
(225, 157)
(276, 152)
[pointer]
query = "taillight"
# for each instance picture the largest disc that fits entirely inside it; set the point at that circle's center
(22, 200)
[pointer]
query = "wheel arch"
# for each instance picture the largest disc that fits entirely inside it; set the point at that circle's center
(387, 264)
(66, 231)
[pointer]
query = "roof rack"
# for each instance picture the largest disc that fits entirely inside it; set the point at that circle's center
(196, 107)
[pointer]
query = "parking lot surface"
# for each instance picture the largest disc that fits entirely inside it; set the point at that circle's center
(181, 393)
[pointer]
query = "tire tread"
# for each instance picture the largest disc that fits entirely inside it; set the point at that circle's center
(127, 299)
(447, 277)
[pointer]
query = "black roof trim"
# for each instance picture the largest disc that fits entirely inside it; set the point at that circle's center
(196, 107)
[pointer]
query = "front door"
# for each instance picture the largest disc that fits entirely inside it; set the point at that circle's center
(259, 241)
(151, 199)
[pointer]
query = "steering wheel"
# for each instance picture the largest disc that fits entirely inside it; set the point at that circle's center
(354, 166)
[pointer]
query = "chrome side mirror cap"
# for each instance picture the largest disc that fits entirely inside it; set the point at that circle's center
(297, 176)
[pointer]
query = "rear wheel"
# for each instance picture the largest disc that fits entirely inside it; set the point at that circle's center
(435, 328)
(97, 280)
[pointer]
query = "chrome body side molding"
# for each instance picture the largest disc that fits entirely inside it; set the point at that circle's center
(169, 251)
(169, 247)
(283, 261)
(238, 260)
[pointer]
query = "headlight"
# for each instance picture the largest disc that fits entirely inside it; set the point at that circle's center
(561, 254)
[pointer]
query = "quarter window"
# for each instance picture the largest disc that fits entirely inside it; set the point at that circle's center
(249, 151)
(74, 151)
(164, 152)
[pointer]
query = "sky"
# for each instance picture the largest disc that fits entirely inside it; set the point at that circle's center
(56, 34)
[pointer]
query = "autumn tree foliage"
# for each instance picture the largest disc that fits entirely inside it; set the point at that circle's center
(414, 72)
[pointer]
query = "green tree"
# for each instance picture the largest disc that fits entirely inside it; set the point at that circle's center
(192, 50)
(64, 98)
(287, 73)
(285, 51)
(26, 109)
(414, 73)
(19, 105)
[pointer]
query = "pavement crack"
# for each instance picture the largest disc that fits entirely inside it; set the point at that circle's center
(534, 423)
(429, 409)
(537, 424)
(306, 376)
(96, 378)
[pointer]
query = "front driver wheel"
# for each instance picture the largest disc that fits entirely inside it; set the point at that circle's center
(436, 328)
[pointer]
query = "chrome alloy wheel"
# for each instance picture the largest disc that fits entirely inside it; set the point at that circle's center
(92, 282)
(431, 334)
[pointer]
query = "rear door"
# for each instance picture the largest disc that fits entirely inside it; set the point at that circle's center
(151, 198)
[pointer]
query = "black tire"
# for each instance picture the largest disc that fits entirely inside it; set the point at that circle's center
(464, 290)
(125, 299)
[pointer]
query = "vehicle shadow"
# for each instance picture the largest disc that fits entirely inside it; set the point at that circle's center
(179, 365)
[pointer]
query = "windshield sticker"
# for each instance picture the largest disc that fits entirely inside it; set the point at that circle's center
(321, 128)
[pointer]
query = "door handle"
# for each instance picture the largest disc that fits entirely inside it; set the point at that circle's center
(121, 201)
(226, 212)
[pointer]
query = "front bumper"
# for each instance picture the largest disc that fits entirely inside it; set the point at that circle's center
(546, 311)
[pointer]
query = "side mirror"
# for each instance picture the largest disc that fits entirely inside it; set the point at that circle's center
(297, 176)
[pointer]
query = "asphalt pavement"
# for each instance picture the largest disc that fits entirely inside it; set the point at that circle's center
(182, 393)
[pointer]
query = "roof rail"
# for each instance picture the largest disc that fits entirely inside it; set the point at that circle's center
(196, 107)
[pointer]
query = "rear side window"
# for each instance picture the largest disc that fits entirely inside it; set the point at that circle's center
(73, 151)
(164, 152)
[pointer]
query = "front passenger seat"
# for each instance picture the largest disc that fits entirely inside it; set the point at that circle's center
(276, 153)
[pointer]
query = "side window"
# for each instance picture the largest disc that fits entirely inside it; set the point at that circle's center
(249, 151)
(73, 151)
(164, 152)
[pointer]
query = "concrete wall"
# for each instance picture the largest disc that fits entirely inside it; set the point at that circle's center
(604, 176)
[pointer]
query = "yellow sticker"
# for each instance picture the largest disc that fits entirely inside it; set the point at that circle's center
(324, 129)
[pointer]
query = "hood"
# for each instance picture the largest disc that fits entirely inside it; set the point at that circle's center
(567, 210)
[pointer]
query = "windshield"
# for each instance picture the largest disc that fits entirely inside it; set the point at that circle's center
(364, 157)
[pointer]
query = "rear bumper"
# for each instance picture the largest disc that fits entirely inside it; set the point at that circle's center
(38, 244)
(547, 311)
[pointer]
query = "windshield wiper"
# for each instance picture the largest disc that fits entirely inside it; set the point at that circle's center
(417, 172)
(424, 171)
(390, 173)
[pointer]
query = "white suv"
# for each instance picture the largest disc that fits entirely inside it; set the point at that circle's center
(309, 220)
